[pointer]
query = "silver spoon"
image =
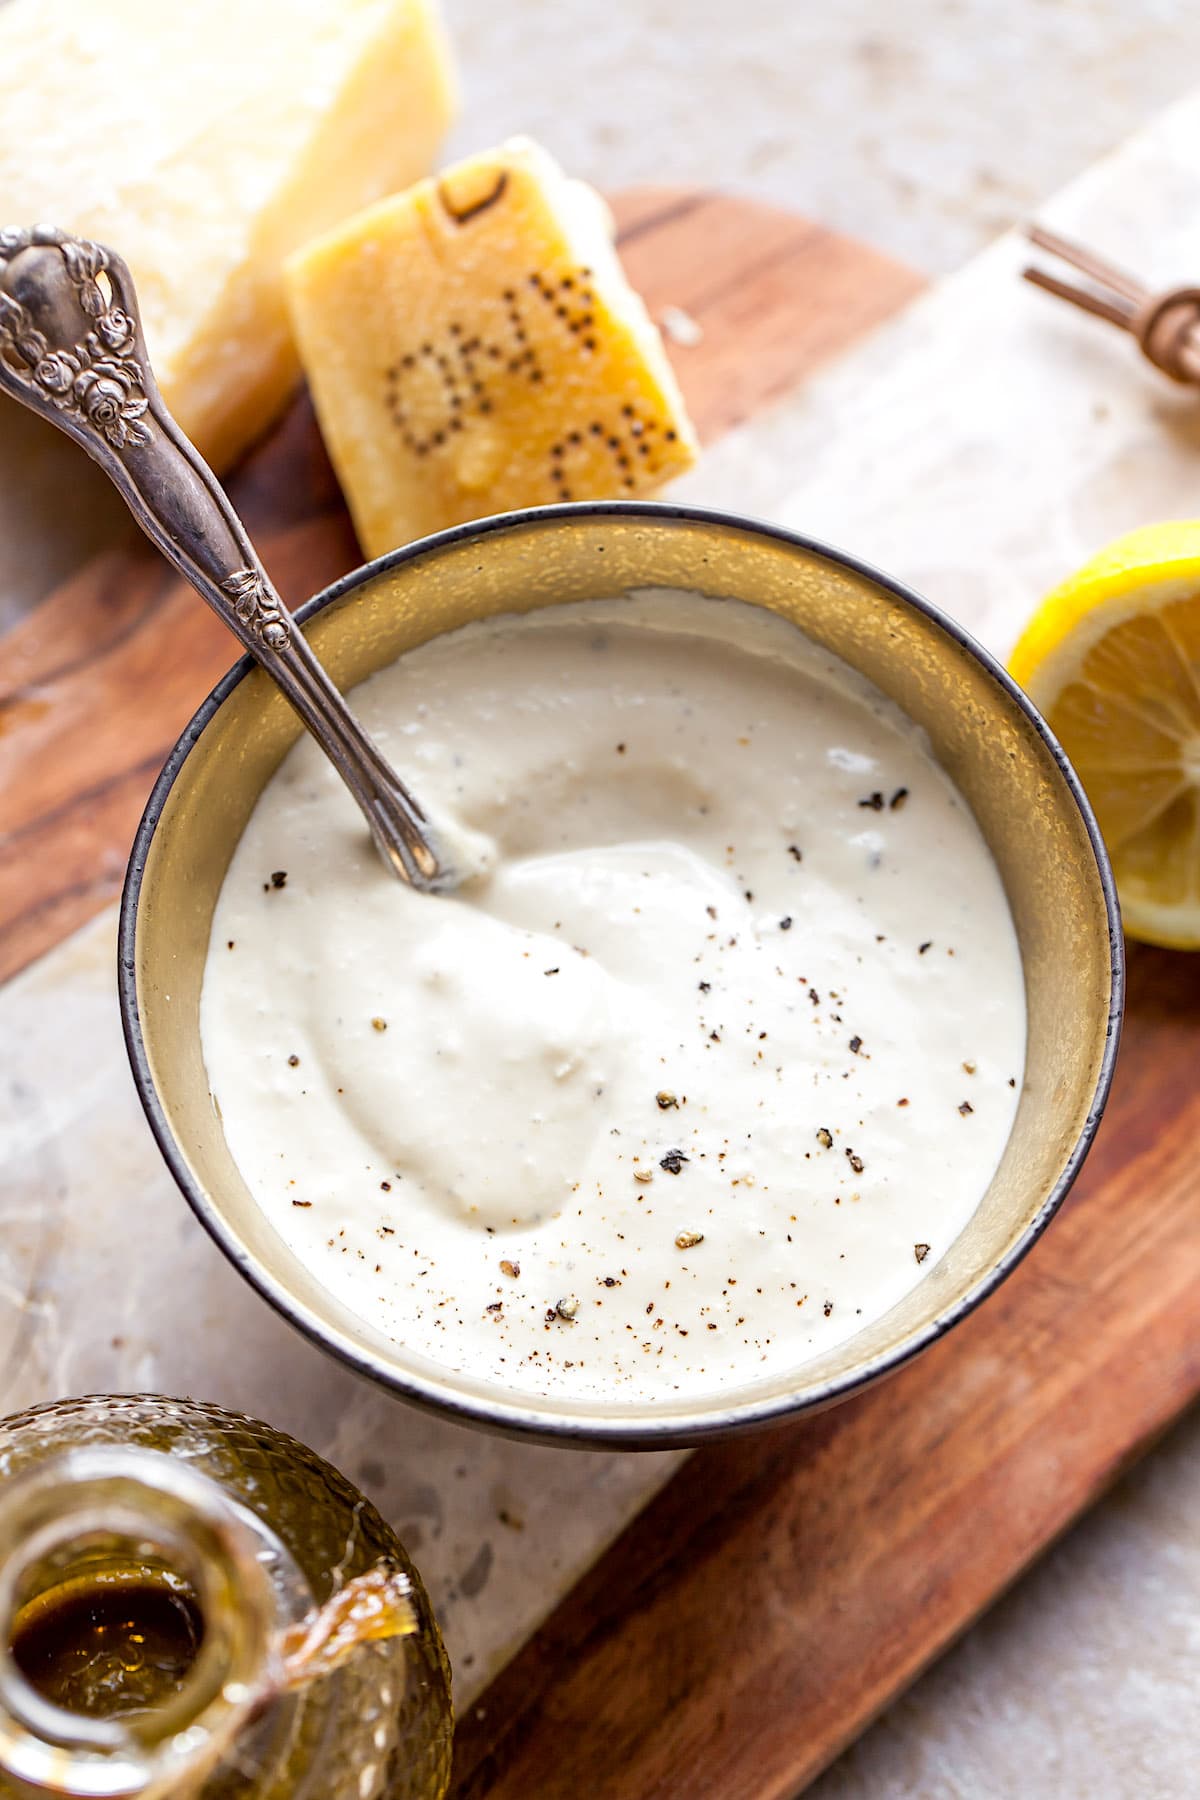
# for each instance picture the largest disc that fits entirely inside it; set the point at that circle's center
(71, 349)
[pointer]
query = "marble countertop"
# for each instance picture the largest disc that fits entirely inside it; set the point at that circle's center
(925, 129)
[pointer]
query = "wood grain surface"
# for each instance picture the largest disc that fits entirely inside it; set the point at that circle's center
(98, 681)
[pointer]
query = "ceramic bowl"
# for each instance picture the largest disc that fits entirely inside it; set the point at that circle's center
(983, 730)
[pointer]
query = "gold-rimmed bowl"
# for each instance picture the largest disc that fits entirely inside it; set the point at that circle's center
(983, 730)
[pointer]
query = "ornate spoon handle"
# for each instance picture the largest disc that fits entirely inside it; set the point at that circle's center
(71, 349)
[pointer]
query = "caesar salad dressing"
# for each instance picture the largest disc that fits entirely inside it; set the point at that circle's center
(701, 1078)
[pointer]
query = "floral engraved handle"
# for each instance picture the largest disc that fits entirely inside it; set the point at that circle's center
(257, 606)
(96, 380)
(72, 349)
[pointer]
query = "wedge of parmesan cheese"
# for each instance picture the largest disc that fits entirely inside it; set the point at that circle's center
(473, 345)
(204, 143)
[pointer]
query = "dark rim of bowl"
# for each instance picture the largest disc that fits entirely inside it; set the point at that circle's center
(510, 1416)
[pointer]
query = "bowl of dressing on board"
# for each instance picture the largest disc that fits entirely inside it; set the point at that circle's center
(767, 1045)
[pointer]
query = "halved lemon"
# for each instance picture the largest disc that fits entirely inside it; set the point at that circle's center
(1112, 659)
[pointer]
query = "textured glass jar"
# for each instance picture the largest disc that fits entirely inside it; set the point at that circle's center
(318, 1672)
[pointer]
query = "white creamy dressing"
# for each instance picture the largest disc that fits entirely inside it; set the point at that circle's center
(702, 1077)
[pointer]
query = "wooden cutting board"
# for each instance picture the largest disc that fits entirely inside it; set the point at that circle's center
(782, 1589)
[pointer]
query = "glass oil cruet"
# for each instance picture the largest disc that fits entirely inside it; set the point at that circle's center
(193, 1604)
